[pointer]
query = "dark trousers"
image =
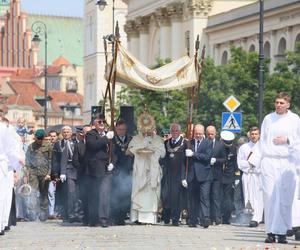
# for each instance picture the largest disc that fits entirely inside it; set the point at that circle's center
(120, 196)
(227, 202)
(71, 199)
(199, 202)
(83, 196)
(169, 214)
(215, 200)
(99, 198)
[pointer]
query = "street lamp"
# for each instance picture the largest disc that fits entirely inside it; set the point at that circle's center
(261, 63)
(40, 28)
(111, 38)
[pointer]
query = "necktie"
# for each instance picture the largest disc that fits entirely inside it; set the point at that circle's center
(173, 141)
(198, 144)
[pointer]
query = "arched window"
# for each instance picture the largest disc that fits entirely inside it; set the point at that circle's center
(267, 50)
(252, 48)
(224, 59)
(297, 40)
(282, 47)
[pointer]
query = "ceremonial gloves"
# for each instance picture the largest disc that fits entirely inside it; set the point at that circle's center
(213, 161)
(110, 135)
(184, 183)
(280, 140)
(63, 177)
(110, 167)
(189, 153)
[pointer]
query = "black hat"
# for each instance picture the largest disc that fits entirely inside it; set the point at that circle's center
(79, 130)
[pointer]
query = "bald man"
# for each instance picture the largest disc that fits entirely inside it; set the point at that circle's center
(216, 163)
(199, 178)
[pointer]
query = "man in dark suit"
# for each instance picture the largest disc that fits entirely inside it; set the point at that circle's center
(199, 178)
(229, 169)
(79, 164)
(68, 174)
(122, 176)
(99, 161)
(216, 163)
(173, 164)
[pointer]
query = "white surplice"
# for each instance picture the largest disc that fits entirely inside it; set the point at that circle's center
(251, 180)
(146, 178)
(278, 169)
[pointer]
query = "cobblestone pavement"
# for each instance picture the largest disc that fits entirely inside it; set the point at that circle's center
(57, 235)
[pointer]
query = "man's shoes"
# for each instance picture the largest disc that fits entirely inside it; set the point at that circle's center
(253, 223)
(175, 223)
(297, 235)
(290, 232)
(206, 223)
(7, 228)
(2, 232)
(43, 217)
(270, 238)
(104, 224)
(52, 217)
(192, 225)
(218, 221)
(120, 223)
(137, 222)
(282, 239)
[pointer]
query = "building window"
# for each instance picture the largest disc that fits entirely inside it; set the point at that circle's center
(297, 40)
(224, 59)
(282, 47)
(252, 48)
(267, 50)
(71, 85)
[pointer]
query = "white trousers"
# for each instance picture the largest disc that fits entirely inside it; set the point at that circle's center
(278, 181)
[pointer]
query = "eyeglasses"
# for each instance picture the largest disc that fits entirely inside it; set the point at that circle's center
(100, 122)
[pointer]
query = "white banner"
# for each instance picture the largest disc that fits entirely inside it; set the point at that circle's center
(179, 74)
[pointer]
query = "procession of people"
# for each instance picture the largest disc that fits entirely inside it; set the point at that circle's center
(100, 177)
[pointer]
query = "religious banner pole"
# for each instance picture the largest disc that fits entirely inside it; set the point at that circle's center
(191, 97)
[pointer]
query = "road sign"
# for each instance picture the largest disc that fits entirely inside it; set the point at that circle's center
(231, 103)
(232, 121)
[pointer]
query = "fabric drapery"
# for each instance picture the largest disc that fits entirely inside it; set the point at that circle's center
(179, 74)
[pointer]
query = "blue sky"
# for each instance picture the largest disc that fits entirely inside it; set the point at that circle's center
(53, 7)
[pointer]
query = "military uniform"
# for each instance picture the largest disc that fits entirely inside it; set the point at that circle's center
(38, 165)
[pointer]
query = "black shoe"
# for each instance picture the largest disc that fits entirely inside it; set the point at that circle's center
(120, 223)
(137, 222)
(2, 232)
(218, 221)
(290, 233)
(192, 225)
(104, 224)
(206, 223)
(175, 223)
(297, 235)
(282, 239)
(253, 223)
(7, 228)
(270, 238)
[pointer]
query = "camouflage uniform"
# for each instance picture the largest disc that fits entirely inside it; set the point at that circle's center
(38, 165)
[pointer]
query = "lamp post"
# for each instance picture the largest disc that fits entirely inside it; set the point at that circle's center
(111, 38)
(261, 63)
(40, 28)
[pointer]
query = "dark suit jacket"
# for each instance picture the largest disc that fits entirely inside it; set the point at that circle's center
(230, 166)
(220, 155)
(124, 162)
(67, 166)
(78, 158)
(200, 163)
(56, 158)
(97, 154)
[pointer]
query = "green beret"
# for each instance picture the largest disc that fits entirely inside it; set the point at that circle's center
(40, 134)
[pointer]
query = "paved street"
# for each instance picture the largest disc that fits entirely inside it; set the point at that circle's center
(56, 235)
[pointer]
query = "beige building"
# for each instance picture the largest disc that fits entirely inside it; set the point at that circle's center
(98, 24)
(168, 28)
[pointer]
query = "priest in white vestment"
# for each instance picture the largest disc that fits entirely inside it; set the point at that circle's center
(147, 148)
(251, 178)
(280, 135)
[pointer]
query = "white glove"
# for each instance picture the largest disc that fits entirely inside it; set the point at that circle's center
(189, 153)
(236, 182)
(110, 135)
(63, 177)
(213, 161)
(110, 167)
(184, 183)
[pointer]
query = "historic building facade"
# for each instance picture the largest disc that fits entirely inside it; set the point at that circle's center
(168, 28)
(98, 24)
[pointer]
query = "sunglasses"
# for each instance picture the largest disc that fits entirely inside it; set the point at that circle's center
(100, 122)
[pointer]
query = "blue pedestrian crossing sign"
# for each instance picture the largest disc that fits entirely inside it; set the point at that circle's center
(232, 121)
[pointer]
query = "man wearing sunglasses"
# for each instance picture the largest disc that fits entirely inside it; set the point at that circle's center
(100, 162)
